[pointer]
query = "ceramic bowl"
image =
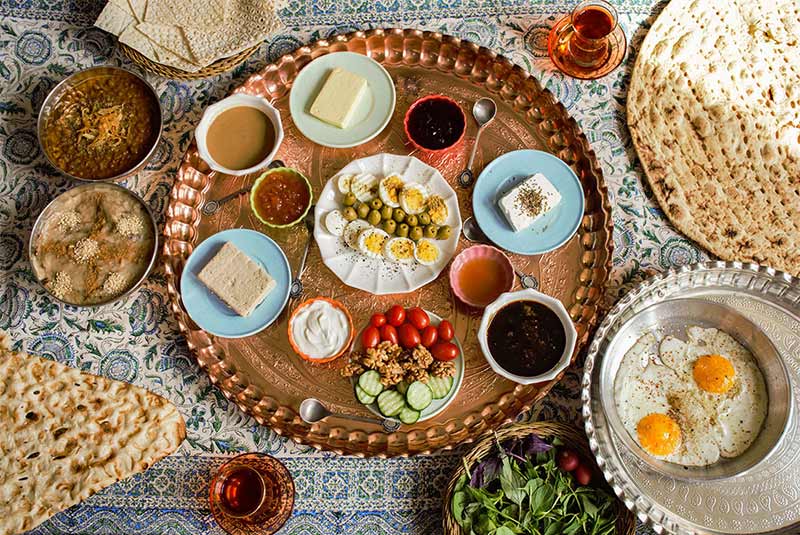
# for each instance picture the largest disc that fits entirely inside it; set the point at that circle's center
(551, 303)
(480, 251)
(263, 177)
(443, 149)
(335, 304)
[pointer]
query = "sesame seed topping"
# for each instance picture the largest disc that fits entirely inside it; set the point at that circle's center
(130, 225)
(114, 284)
(61, 285)
(85, 249)
(69, 221)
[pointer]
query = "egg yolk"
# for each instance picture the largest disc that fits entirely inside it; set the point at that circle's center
(714, 373)
(427, 251)
(658, 434)
(374, 242)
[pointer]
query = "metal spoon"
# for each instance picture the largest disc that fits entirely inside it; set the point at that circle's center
(483, 111)
(296, 289)
(473, 233)
(312, 411)
(212, 207)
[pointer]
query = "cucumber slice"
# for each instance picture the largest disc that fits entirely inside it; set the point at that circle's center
(401, 387)
(363, 397)
(440, 386)
(370, 382)
(418, 395)
(408, 415)
(390, 402)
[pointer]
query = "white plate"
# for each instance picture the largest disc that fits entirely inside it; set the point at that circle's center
(378, 275)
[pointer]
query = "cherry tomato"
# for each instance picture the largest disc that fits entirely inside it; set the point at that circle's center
(568, 460)
(396, 315)
(377, 320)
(409, 336)
(429, 336)
(446, 331)
(444, 351)
(370, 337)
(418, 318)
(389, 334)
(583, 474)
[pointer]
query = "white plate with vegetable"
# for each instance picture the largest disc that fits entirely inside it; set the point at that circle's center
(414, 402)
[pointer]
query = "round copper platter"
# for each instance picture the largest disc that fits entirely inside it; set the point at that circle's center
(262, 375)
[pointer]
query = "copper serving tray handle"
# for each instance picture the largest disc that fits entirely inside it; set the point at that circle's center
(261, 373)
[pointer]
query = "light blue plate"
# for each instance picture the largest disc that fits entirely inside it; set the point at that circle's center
(550, 231)
(369, 119)
(214, 316)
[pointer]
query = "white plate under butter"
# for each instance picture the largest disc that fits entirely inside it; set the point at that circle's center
(378, 275)
(369, 119)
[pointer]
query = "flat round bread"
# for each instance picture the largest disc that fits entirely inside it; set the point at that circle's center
(714, 113)
(68, 434)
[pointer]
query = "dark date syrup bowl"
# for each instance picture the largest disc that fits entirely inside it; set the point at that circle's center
(435, 123)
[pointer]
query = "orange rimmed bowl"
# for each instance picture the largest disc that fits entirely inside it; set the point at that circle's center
(336, 304)
(460, 125)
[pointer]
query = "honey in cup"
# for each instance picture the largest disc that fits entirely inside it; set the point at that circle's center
(240, 137)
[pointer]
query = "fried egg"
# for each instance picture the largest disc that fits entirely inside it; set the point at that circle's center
(344, 183)
(389, 190)
(352, 230)
(413, 198)
(399, 250)
(364, 187)
(370, 242)
(437, 209)
(335, 222)
(427, 252)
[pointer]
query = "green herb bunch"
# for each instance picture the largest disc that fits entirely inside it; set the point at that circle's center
(519, 489)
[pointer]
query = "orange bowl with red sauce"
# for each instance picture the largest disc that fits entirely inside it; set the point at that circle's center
(281, 197)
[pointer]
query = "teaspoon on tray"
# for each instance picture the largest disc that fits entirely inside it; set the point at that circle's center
(473, 233)
(212, 207)
(312, 411)
(483, 111)
(297, 284)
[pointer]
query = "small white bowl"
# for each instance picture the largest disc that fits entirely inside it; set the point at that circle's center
(555, 305)
(233, 101)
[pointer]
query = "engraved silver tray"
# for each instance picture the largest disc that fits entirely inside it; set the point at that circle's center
(766, 499)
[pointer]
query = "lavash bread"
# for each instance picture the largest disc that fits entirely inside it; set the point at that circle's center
(714, 113)
(67, 434)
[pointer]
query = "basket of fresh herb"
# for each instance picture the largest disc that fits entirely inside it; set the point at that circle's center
(538, 478)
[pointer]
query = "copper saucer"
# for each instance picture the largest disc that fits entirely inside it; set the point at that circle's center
(271, 469)
(560, 35)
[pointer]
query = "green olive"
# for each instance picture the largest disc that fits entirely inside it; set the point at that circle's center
(350, 214)
(431, 231)
(444, 232)
(389, 226)
(399, 215)
(386, 213)
(362, 210)
(415, 233)
(349, 199)
(424, 219)
(374, 218)
(412, 220)
(402, 230)
(376, 204)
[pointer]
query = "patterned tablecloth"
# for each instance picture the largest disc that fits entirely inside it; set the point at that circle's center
(137, 340)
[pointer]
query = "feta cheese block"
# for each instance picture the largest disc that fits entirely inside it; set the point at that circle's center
(528, 201)
(236, 279)
(339, 98)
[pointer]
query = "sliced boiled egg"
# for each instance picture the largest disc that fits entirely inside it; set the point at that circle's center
(399, 250)
(352, 230)
(413, 198)
(427, 252)
(335, 222)
(364, 187)
(389, 190)
(344, 183)
(370, 242)
(437, 209)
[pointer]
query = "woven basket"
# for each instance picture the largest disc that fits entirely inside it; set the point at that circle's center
(218, 67)
(626, 522)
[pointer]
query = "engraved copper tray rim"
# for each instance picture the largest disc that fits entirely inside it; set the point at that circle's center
(563, 137)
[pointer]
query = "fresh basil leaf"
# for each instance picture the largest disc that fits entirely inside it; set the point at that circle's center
(485, 473)
(554, 528)
(532, 444)
(505, 530)
(485, 524)
(588, 505)
(573, 527)
(458, 503)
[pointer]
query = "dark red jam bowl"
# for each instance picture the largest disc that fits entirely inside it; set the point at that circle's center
(435, 123)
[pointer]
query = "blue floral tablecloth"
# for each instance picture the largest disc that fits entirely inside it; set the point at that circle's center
(137, 340)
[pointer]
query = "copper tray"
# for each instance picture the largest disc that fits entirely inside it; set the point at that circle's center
(262, 375)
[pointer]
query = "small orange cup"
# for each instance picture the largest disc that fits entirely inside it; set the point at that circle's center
(335, 304)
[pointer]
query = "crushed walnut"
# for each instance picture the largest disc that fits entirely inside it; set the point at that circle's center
(395, 364)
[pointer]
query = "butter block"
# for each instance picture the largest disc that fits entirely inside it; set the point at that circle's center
(528, 201)
(236, 279)
(339, 98)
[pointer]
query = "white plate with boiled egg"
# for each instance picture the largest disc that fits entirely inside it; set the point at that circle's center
(379, 257)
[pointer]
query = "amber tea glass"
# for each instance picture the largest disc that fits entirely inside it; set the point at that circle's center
(593, 22)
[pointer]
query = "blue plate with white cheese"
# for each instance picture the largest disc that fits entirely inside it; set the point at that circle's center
(208, 310)
(366, 112)
(507, 196)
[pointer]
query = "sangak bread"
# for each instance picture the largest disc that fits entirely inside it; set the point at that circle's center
(714, 113)
(66, 434)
